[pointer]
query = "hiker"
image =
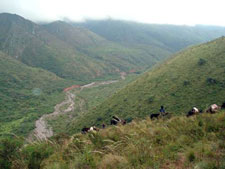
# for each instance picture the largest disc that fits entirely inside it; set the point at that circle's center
(103, 125)
(162, 111)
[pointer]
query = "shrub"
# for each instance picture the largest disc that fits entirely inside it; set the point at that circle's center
(113, 161)
(151, 99)
(201, 62)
(96, 139)
(191, 156)
(211, 81)
(129, 119)
(186, 83)
(36, 153)
(8, 151)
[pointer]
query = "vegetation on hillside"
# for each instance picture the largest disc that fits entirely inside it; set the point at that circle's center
(33, 45)
(170, 37)
(71, 52)
(193, 77)
(106, 52)
(28, 89)
(83, 54)
(26, 93)
(86, 100)
(178, 142)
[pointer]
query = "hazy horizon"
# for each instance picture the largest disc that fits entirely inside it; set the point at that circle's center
(175, 12)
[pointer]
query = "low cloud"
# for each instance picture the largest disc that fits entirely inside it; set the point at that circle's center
(149, 11)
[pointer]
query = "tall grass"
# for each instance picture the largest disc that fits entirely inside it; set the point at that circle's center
(178, 142)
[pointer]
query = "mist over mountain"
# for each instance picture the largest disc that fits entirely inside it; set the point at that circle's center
(171, 37)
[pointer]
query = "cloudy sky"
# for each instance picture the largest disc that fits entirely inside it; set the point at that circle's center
(189, 12)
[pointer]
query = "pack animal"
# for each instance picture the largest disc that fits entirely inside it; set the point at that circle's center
(89, 129)
(154, 115)
(85, 130)
(213, 109)
(157, 115)
(192, 112)
(115, 120)
(223, 105)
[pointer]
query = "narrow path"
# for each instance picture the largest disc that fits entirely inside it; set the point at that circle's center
(42, 130)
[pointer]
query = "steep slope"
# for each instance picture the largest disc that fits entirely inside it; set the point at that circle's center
(170, 37)
(33, 45)
(111, 54)
(77, 37)
(26, 93)
(180, 142)
(193, 77)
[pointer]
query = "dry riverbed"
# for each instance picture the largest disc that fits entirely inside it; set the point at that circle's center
(42, 130)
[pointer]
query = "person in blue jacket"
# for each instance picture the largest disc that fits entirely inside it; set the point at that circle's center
(162, 110)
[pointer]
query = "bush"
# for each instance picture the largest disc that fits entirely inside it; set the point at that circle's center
(191, 156)
(36, 153)
(211, 81)
(186, 83)
(151, 99)
(201, 62)
(129, 119)
(8, 151)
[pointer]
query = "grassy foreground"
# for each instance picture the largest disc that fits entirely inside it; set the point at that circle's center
(178, 142)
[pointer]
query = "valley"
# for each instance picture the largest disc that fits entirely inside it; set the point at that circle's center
(57, 78)
(42, 130)
(192, 77)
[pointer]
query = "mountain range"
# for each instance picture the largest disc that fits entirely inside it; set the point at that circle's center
(39, 60)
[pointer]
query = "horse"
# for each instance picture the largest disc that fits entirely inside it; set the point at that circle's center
(115, 120)
(213, 109)
(192, 112)
(85, 130)
(154, 115)
(223, 105)
(89, 129)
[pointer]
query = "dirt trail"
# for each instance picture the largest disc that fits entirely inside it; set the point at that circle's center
(42, 130)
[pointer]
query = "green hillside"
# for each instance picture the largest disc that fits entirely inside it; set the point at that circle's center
(86, 100)
(180, 142)
(63, 53)
(193, 77)
(35, 46)
(26, 93)
(107, 54)
(95, 52)
(77, 37)
(170, 37)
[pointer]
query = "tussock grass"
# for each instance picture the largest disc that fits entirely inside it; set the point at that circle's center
(178, 142)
